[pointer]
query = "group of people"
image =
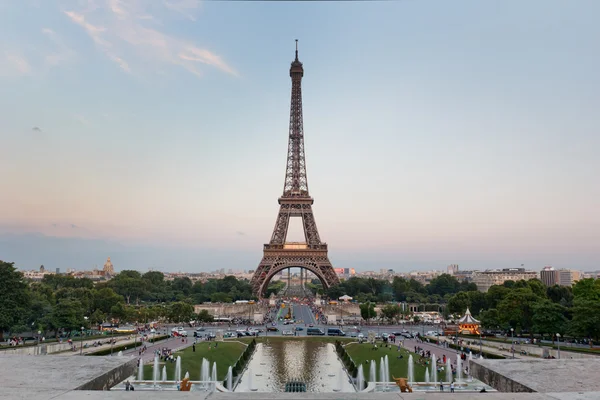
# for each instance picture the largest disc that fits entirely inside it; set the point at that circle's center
(165, 354)
(18, 341)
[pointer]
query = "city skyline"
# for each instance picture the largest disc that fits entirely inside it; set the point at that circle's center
(156, 134)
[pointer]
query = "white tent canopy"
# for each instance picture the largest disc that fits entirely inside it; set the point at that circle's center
(345, 298)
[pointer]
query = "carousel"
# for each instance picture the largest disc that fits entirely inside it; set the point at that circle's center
(468, 325)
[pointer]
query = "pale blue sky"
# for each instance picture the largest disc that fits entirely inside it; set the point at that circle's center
(437, 132)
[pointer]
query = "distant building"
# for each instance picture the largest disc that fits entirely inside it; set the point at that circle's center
(465, 275)
(486, 279)
(452, 269)
(108, 268)
(567, 277)
(562, 277)
(549, 276)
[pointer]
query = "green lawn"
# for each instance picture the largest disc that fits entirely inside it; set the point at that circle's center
(226, 354)
(398, 367)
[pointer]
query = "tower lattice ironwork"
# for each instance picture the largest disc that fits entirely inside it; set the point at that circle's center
(279, 254)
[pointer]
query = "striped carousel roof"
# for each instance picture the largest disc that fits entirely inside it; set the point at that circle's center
(468, 318)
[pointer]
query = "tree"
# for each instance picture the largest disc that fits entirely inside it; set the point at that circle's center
(443, 284)
(516, 309)
(105, 299)
(68, 315)
(205, 316)
(181, 312)
(130, 285)
(14, 297)
(491, 319)
(459, 303)
(548, 318)
(560, 294)
(391, 312)
(367, 311)
(586, 319)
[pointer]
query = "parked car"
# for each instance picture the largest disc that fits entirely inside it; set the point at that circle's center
(288, 333)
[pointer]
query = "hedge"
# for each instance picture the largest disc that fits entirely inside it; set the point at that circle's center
(128, 346)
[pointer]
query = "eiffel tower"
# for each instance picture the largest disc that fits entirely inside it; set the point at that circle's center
(310, 255)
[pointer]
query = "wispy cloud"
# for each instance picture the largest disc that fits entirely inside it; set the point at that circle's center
(183, 7)
(36, 129)
(60, 53)
(239, 233)
(16, 64)
(121, 30)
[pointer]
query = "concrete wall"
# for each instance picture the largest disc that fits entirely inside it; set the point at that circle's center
(110, 378)
(496, 380)
(536, 350)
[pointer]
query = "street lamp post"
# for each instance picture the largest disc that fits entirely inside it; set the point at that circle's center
(558, 342)
(81, 340)
(512, 335)
(480, 343)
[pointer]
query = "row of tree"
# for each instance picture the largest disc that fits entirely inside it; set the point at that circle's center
(64, 303)
(437, 291)
(529, 307)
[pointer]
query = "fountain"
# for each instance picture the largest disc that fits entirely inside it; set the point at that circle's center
(360, 379)
(427, 375)
(386, 369)
(411, 369)
(141, 370)
(433, 368)
(458, 368)
(205, 372)
(178, 369)
(155, 371)
(382, 370)
(120, 354)
(214, 376)
(469, 378)
(448, 370)
(373, 371)
(229, 379)
(164, 374)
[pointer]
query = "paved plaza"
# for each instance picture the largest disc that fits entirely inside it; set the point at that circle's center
(73, 378)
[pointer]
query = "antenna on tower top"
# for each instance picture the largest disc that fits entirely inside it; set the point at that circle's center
(296, 49)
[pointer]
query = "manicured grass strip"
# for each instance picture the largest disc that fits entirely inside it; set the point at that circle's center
(398, 366)
(225, 354)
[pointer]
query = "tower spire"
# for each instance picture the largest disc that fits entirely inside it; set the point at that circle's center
(296, 184)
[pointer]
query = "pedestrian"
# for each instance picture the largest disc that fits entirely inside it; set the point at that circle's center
(452, 387)
(194, 348)
(441, 386)
(127, 386)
